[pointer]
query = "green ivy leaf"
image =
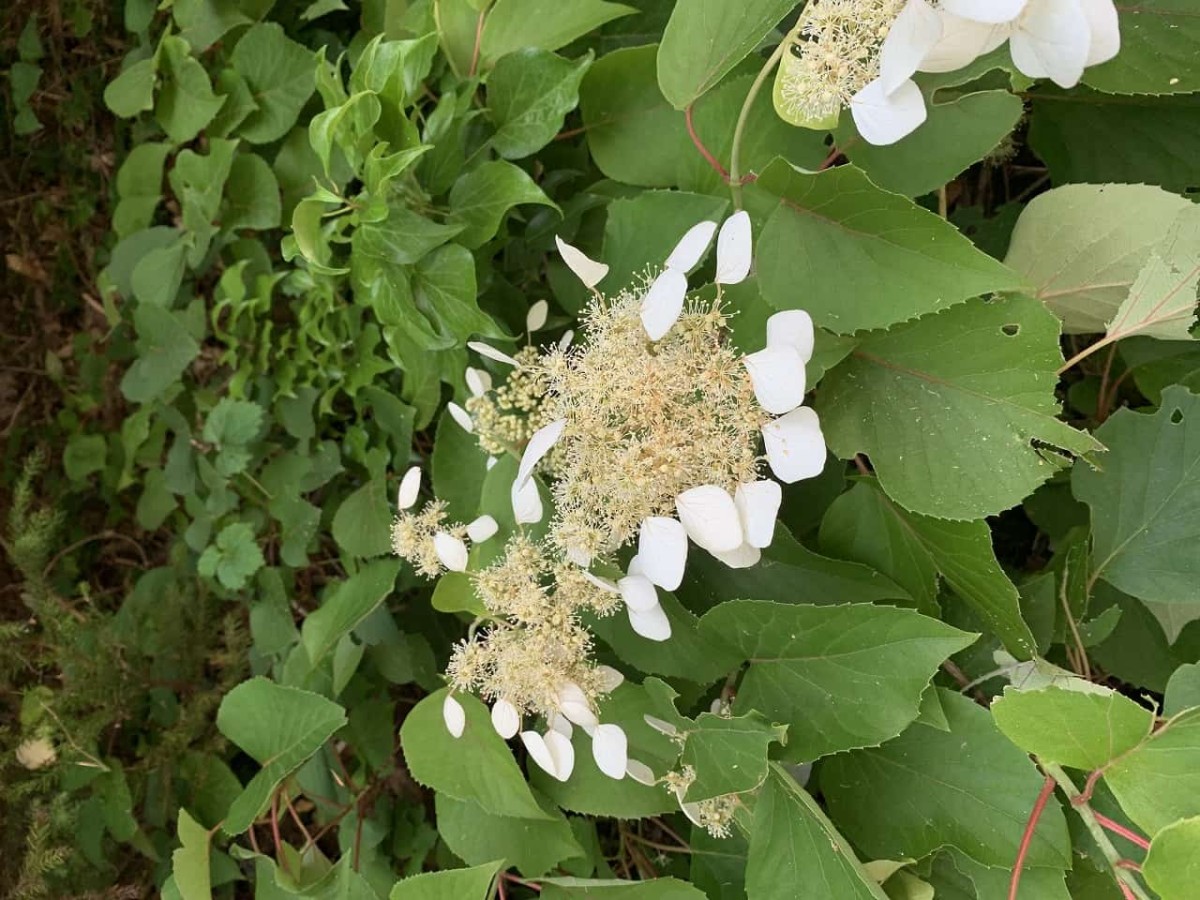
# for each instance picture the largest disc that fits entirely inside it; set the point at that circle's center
(705, 39)
(444, 284)
(189, 864)
(481, 197)
(1159, 782)
(459, 467)
(529, 93)
(83, 455)
(544, 24)
(838, 234)
(186, 102)
(905, 402)
(139, 187)
(233, 558)
(968, 788)
(132, 91)
(453, 884)
(728, 753)
(278, 726)
(345, 606)
(1083, 729)
(198, 182)
(1143, 530)
(533, 846)
(362, 525)
(280, 74)
(841, 677)
(1172, 866)
(252, 195)
(165, 348)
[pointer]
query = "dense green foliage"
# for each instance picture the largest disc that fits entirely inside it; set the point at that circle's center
(971, 647)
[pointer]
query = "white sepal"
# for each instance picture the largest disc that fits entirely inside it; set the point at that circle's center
(479, 381)
(573, 703)
(734, 249)
(661, 725)
(1105, 30)
(915, 32)
(610, 678)
(565, 341)
(883, 118)
(792, 328)
(610, 749)
(777, 374)
(604, 584)
(662, 551)
(638, 593)
(560, 723)
(505, 719)
(743, 557)
(410, 488)
(537, 315)
(991, 11)
(1052, 40)
(491, 461)
(451, 551)
(710, 518)
(757, 504)
(491, 352)
(691, 247)
(535, 745)
(579, 556)
(663, 303)
(540, 443)
(562, 752)
(963, 41)
(461, 416)
(586, 270)
(526, 502)
(795, 445)
(454, 716)
(640, 772)
(482, 528)
(651, 624)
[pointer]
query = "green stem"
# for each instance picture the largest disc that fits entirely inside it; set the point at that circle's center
(735, 152)
(1122, 875)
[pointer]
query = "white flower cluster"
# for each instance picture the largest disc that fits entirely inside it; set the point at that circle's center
(654, 429)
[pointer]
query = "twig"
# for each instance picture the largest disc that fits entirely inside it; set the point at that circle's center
(735, 150)
(1117, 828)
(713, 162)
(1027, 838)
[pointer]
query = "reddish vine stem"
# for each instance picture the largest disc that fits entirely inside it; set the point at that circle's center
(1027, 838)
(1117, 828)
(1089, 786)
(713, 162)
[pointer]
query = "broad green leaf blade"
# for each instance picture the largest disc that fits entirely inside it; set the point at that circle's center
(596, 889)
(905, 400)
(252, 195)
(529, 93)
(165, 348)
(1183, 689)
(839, 235)
(198, 182)
(915, 547)
(478, 766)
(140, 187)
(1082, 246)
(132, 91)
(705, 39)
(281, 77)
(1144, 500)
(640, 232)
(968, 788)
(363, 522)
(346, 605)
(1162, 301)
(543, 24)
(1159, 782)
(278, 726)
(452, 884)
(795, 851)
(444, 283)
(186, 102)
(533, 846)
(480, 198)
(1080, 729)
(189, 864)
(1172, 867)
(728, 753)
(840, 677)
(1159, 55)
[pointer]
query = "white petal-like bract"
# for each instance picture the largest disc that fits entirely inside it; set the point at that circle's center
(454, 716)
(691, 247)
(482, 528)
(651, 624)
(561, 724)
(451, 551)
(792, 328)
(758, 504)
(527, 502)
(795, 445)
(1052, 40)
(565, 341)
(734, 249)
(479, 381)
(586, 270)
(663, 303)
(562, 752)
(710, 517)
(505, 719)
(604, 584)
(491, 352)
(777, 374)
(610, 678)
(610, 749)
(992, 11)
(539, 445)
(662, 551)
(410, 488)
(537, 315)
(461, 416)
(1105, 30)
(915, 31)
(638, 593)
(883, 118)
(661, 726)
(640, 772)
(743, 557)
(535, 745)
(573, 703)
(963, 41)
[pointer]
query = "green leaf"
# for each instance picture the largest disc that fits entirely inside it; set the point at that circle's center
(1076, 728)
(1143, 524)
(533, 846)
(1159, 781)
(910, 546)
(902, 399)
(795, 851)
(1183, 689)
(967, 788)
(529, 93)
(454, 884)
(233, 422)
(1091, 137)
(1082, 246)
(403, 237)
(640, 232)
(362, 525)
(544, 24)
(233, 558)
(1172, 867)
(346, 605)
(280, 74)
(705, 39)
(478, 766)
(83, 455)
(1158, 51)
(186, 102)
(165, 348)
(394, 69)
(728, 754)
(156, 502)
(444, 283)
(582, 888)
(278, 726)
(158, 275)
(132, 91)
(139, 185)
(459, 467)
(198, 182)
(481, 197)
(841, 677)
(253, 195)
(838, 234)
(189, 864)
(1162, 301)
